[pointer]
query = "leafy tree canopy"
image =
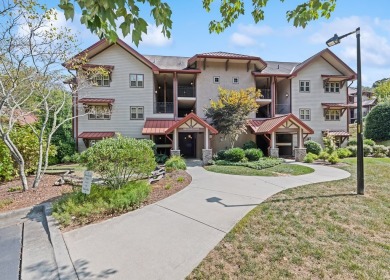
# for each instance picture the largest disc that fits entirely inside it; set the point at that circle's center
(382, 90)
(377, 121)
(104, 16)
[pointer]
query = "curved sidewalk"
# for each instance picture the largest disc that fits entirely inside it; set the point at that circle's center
(168, 239)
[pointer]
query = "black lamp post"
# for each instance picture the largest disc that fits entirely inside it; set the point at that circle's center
(360, 155)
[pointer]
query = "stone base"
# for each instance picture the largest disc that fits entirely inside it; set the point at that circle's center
(207, 155)
(274, 152)
(175, 152)
(300, 154)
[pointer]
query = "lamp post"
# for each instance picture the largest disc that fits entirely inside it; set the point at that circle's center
(360, 156)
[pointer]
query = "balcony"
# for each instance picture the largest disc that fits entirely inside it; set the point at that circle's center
(282, 109)
(185, 91)
(163, 107)
(265, 93)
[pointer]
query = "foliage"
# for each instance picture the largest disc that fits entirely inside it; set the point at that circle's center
(323, 155)
(353, 150)
(253, 154)
(367, 150)
(310, 158)
(7, 170)
(313, 147)
(175, 163)
(382, 90)
(329, 143)
(375, 128)
(221, 154)
(103, 17)
(5, 202)
(352, 142)
(249, 145)
(76, 208)
(120, 159)
(379, 150)
(369, 142)
(260, 164)
(234, 154)
(161, 158)
(343, 153)
(15, 189)
(333, 158)
(230, 112)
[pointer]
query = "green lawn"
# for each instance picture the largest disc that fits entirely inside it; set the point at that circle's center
(281, 169)
(319, 231)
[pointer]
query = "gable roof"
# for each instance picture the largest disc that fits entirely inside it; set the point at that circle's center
(271, 125)
(197, 119)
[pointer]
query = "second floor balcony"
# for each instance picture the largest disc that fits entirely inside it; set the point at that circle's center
(265, 93)
(163, 107)
(186, 91)
(282, 109)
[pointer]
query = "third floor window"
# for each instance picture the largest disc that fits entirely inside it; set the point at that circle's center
(304, 86)
(101, 80)
(136, 80)
(332, 87)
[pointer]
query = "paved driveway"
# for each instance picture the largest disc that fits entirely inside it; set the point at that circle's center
(167, 240)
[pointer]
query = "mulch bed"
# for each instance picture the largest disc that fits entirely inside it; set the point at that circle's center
(46, 192)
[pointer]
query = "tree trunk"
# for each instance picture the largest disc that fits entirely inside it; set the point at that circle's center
(22, 175)
(38, 173)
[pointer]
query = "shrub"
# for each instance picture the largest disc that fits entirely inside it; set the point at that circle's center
(313, 147)
(367, 150)
(369, 142)
(234, 155)
(323, 155)
(249, 145)
(75, 158)
(221, 154)
(330, 145)
(119, 160)
(310, 158)
(161, 158)
(260, 164)
(76, 208)
(343, 153)
(380, 151)
(353, 150)
(253, 154)
(175, 163)
(7, 170)
(333, 158)
(352, 142)
(375, 128)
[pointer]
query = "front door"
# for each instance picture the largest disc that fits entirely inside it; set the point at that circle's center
(284, 143)
(187, 144)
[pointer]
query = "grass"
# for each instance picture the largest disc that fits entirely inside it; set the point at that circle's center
(318, 231)
(15, 189)
(284, 168)
(5, 202)
(77, 209)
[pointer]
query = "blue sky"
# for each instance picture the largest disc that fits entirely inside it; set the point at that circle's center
(274, 38)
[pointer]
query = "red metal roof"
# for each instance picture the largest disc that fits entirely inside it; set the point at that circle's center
(270, 125)
(97, 100)
(97, 135)
(157, 126)
(337, 133)
(197, 119)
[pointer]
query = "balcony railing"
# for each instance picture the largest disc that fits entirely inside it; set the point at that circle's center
(282, 109)
(265, 93)
(184, 91)
(163, 107)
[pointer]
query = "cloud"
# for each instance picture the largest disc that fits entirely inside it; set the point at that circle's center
(242, 40)
(247, 35)
(155, 37)
(251, 29)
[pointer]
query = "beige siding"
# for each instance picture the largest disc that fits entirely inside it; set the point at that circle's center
(207, 90)
(313, 99)
(124, 96)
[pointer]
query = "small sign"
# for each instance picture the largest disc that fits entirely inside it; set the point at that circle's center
(86, 188)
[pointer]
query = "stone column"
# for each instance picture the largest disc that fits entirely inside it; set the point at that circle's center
(175, 152)
(207, 155)
(300, 154)
(274, 152)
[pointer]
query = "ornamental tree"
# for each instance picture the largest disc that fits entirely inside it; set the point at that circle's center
(377, 123)
(230, 112)
(382, 90)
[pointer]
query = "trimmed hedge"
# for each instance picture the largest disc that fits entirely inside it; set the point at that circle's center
(234, 155)
(253, 154)
(343, 153)
(313, 147)
(376, 126)
(260, 164)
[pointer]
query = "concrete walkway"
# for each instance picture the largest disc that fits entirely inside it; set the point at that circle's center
(167, 240)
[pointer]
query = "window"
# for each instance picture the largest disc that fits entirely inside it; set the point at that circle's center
(235, 80)
(304, 86)
(136, 113)
(136, 80)
(332, 115)
(332, 87)
(304, 114)
(216, 79)
(101, 80)
(98, 112)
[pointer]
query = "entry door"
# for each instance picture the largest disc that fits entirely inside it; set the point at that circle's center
(284, 143)
(187, 144)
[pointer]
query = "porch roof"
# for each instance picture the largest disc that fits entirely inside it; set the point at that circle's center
(157, 126)
(196, 119)
(340, 133)
(336, 105)
(97, 100)
(96, 134)
(271, 125)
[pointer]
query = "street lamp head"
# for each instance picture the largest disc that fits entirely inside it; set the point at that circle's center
(333, 41)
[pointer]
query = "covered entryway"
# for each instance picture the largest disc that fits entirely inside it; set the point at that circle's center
(187, 144)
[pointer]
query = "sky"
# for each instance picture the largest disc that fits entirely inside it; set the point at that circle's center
(273, 39)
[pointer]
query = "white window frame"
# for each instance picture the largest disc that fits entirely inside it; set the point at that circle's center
(304, 114)
(333, 115)
(96, 114)
(216, 79)
(304, 86)
(236, 80)
(101, 80)
(332, 87)
(138, 111)
(136, 80)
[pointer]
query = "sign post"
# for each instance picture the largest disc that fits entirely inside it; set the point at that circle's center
(87, 181)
